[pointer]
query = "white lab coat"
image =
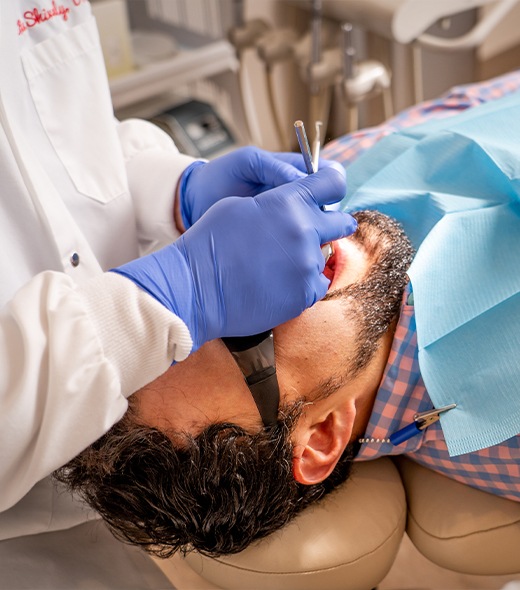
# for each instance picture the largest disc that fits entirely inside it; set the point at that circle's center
(74, 342)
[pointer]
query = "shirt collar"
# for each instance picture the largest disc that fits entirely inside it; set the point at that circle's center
(401, 393)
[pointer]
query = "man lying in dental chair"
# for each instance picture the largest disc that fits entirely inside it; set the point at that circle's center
(423, 312)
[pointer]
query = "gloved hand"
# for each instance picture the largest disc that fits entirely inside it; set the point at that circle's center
(250, 263)
(245, 172)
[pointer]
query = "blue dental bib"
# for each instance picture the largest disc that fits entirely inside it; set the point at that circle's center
(454, 185)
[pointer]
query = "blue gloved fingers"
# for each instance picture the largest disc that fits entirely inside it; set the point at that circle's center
(334, 225)
(322, 287)
(186, 204)
(282, 233)
(266, 170)
(296, 160)
(248, 170)
(244, 172)
(249, 263)
(326, 186)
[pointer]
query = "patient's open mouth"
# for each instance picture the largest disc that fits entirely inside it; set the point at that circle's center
(330, 265)
(343, 254)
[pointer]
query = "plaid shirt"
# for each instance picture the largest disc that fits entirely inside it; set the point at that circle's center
(402, 393)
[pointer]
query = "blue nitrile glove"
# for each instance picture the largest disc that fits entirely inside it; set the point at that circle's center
(250, 263)
(245, 172)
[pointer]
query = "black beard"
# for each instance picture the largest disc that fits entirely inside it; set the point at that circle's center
(375, 301)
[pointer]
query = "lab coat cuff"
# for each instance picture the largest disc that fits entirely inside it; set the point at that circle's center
(139, 337)
(153, 178)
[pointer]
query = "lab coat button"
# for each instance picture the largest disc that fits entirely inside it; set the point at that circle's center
(74, 259)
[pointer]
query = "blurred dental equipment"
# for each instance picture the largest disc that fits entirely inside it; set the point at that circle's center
(470, 40)
(273, 46)
(412, 37)
(319, 62)
(359, 61)
(362, 80)
(319, 95)
(343, 60)
(244, 35)
(324, 68)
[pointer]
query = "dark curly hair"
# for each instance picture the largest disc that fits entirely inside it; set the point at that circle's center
(216, 492)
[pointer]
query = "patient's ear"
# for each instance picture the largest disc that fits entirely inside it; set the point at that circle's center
(320, 446)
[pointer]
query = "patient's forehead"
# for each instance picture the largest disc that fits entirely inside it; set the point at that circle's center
(211, 368)
(205, 388)
(212, 355)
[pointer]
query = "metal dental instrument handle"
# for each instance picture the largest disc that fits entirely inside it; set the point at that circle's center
(304, 146)
(310, 158)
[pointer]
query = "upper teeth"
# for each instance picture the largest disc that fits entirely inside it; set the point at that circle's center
(327, 251)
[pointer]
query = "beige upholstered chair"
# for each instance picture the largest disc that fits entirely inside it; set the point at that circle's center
(350, 540)
(458, 527)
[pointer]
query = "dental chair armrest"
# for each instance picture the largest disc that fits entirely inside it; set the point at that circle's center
(458, 527)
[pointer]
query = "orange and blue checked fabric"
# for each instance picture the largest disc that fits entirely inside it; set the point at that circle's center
(401, 395)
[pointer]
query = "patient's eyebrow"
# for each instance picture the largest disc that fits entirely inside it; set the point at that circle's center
(327, 387)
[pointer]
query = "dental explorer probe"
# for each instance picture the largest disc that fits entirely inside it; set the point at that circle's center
(316, 145)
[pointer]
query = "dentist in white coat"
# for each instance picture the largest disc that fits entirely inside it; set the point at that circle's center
(82, 195)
